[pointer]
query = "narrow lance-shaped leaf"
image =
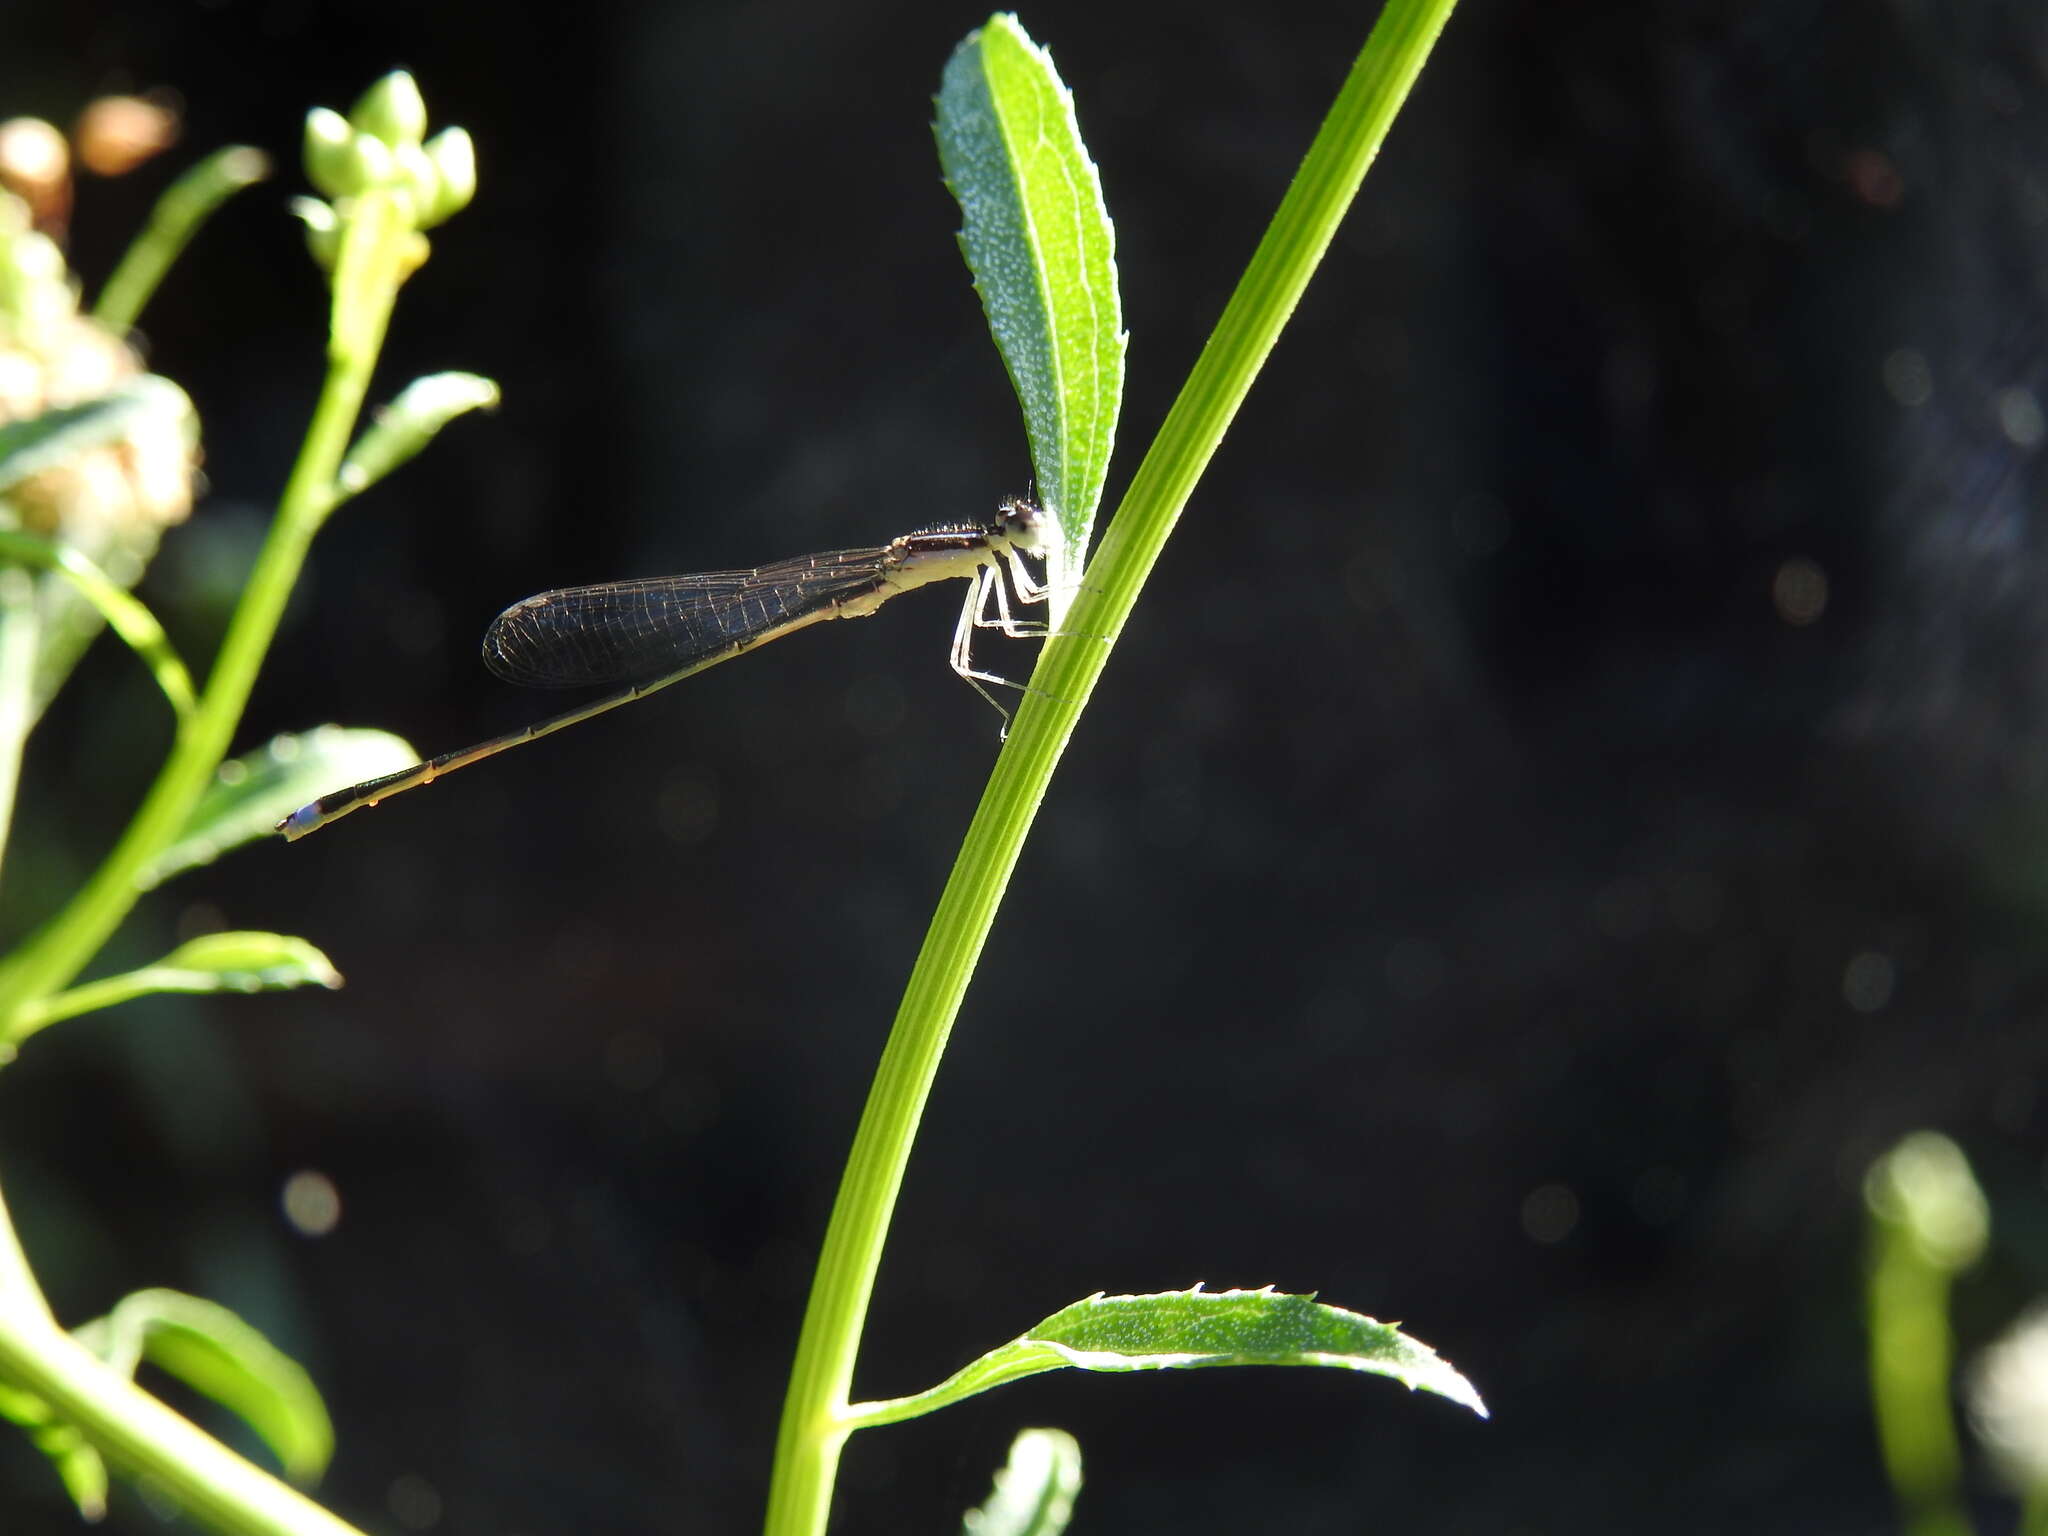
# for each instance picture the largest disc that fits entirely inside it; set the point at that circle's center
(215, 1352)
(211, 1350)
(247, 961)
(1188, 1330)
(215, 962)
(1037, 237)
(408, 424)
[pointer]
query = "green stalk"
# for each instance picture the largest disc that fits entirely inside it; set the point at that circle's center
(208, 1481)
(367, 277)
(132, 1428)
(1928, 1222)
(814, 1421)
(1912, 1352)
(20, 637)
(178, 215)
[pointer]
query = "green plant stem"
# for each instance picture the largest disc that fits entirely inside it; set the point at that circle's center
(132, 1428)
(211, 1483)
(20, 1297)
(365, 290)
(107, 992)
(1911, 1354)
(20, 637)
(176, 218)
(814, 1423)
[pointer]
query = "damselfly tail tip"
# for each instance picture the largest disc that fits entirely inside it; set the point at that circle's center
(306, 818)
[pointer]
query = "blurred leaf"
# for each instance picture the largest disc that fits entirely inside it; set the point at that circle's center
(1034, 1494)
(79, 1467)
(408, 424)
(1188, 1330)
(217, 962)
(214, 1352)
(139, 408)
(1038, 239)
(251, 792)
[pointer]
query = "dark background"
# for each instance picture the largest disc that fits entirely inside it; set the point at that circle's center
(1470, 895)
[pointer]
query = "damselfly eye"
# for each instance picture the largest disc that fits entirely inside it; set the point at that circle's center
(1024, 524)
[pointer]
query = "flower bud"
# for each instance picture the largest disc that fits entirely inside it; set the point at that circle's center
(453, 154)
(115, 134)
(35, 165)
(2008, 1396)
(418, 179)
(413, 254)
(1923, 1187)
(37, 295)
(323, 230)
(37, 259)
(378, 164)
(330, 154)
(392, 111)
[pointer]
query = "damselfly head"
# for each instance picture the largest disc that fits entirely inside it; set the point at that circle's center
(1024, 523)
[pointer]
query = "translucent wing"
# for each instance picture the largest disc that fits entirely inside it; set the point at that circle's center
(636, 631)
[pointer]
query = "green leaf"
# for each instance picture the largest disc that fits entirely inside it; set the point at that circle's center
(124, 613)
(408, 424)
(251, 792)
(249, 962)
(78, 1466)
(1034, 1493)
(217, 962)
(1188, 1330)
(1038, 239)
(140, 408)
(214, 1352)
